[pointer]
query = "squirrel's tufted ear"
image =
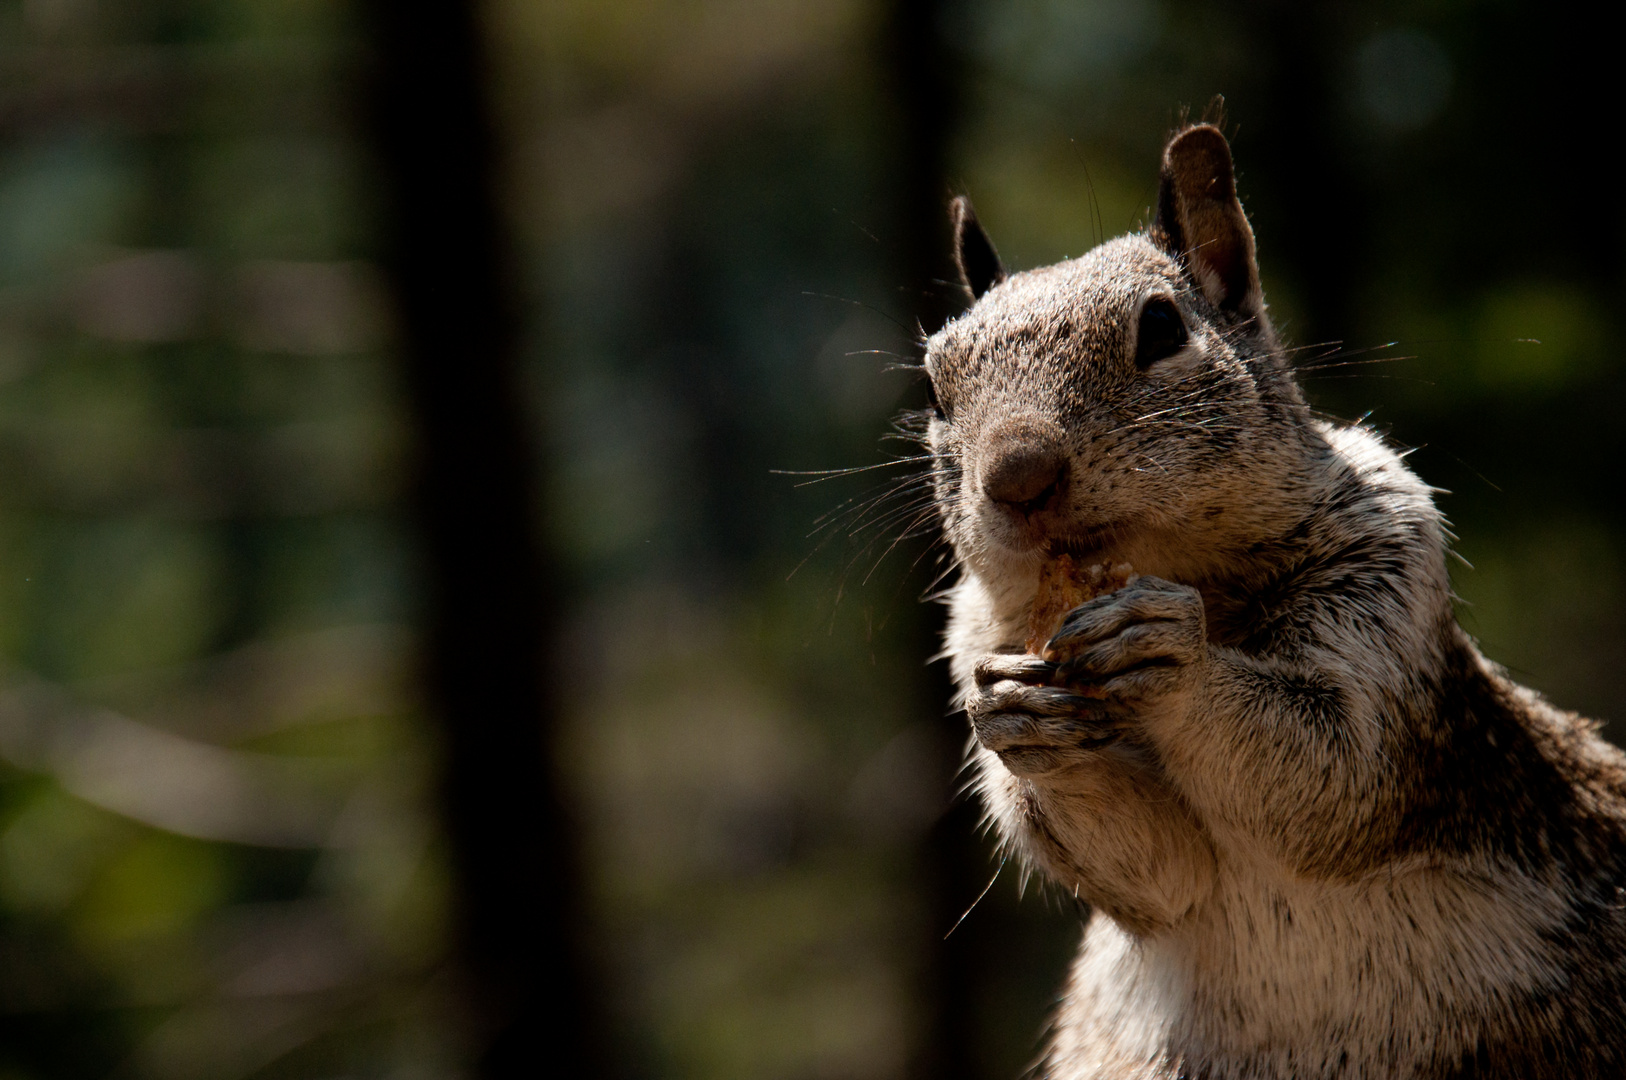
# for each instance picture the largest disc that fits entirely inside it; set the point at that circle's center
(974, 254)
(1200, 219)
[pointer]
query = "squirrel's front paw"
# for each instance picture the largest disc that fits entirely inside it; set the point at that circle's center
(1034, 727)
(1139, 643)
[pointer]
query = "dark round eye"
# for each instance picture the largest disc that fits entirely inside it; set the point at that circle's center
(931, 396)
(1161, 334)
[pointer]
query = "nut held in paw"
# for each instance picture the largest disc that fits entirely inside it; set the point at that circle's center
(1062, 587)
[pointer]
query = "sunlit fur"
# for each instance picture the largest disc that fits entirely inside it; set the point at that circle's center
(1325, 837)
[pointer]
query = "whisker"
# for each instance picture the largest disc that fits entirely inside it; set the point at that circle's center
(870, 498)
(888, 316)
(822, 475)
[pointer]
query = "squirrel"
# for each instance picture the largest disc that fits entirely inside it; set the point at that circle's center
(1318, 833)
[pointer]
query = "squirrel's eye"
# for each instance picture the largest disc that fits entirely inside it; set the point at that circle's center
(937, 406)
(1161, 334)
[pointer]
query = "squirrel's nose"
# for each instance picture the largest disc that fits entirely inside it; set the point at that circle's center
(1023, 473)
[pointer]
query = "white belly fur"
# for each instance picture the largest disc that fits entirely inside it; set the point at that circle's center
(1394, 971)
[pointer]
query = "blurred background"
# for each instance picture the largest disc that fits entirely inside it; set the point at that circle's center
(420, 655)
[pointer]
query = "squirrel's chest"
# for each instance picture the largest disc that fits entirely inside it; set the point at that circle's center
(1390, 977)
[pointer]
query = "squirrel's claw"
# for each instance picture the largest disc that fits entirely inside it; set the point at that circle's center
(1037, 729)
(1020, 667)
(1149, 625)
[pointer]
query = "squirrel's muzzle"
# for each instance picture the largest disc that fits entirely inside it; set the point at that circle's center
(1022, 467)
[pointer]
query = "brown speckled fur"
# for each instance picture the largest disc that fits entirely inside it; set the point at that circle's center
(1321, 835)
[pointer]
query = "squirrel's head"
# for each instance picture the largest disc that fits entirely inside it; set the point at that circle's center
(1131, 403)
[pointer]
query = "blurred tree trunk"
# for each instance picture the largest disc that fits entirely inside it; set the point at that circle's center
(1311, 198)
(488, 614)
(926, 100)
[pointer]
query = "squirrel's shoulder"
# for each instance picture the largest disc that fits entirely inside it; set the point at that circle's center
(1366, 488)
(1364, 533)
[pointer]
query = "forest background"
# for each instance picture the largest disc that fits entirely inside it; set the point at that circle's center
(410, 619)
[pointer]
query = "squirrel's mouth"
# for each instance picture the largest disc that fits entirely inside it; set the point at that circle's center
(1088, 544)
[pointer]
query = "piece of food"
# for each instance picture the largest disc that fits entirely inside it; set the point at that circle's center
(1062, 587)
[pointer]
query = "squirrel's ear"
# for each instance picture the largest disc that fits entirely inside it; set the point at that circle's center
(974, 254)
(1200, 219)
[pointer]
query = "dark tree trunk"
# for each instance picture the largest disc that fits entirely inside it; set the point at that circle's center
(925, 100)
(488, 614)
